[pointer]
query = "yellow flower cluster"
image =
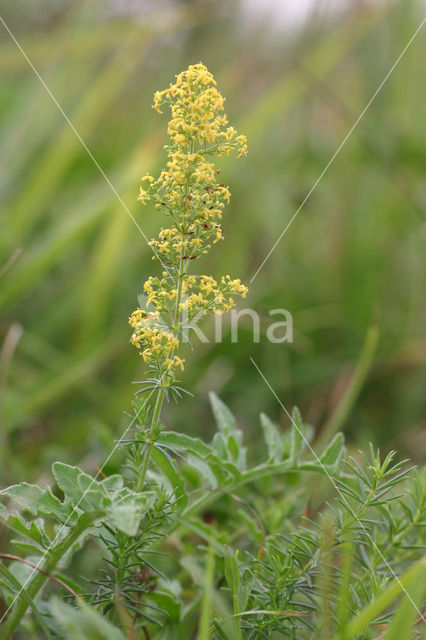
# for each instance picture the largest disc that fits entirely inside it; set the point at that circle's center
(197, 112)
(207, 294)
(186, 191)
(198, 293)
(155, 341)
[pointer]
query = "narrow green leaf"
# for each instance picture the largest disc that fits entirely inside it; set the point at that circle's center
(168, 468)
(246, 586)
(182, 442)
(219, 445)
(233, 448)
(272, 439)
(224, 418)
(232, 570)
(296, 445)
(332, 456)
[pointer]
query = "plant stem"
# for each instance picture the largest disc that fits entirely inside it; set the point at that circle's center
(175, 331)
(155, 416)
(38, 579)
(237, 616)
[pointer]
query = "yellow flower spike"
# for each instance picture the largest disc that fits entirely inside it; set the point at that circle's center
(190, 195)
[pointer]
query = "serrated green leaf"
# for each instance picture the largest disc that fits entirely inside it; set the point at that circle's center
(66, 477)
(80, 488)
(30, 547)
(33, 530)
(272, 438)
(94, 493)
(330, 460)
(38, 501)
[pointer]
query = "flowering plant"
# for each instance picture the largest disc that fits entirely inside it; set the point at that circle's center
(191, 539)
(188, 194)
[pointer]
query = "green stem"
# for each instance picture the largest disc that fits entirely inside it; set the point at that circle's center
(155, 417)
(38, 579)
(237, 616)
(160, 395)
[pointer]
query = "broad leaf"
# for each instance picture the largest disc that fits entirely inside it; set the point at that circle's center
(113, 483)
(38, 501)
(33, 530)
(80, 488)
(126, 512)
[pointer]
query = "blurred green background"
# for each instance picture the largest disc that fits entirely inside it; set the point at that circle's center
(295, 79)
